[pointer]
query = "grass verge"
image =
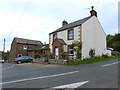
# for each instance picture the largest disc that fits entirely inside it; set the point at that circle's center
(78, 62)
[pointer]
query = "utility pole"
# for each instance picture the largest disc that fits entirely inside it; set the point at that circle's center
(3, 50)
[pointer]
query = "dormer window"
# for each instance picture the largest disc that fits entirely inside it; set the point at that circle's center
(25, 47)
(54, 36)
(70, 34)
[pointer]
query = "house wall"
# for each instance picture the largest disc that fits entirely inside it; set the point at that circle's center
(17, 48)
(63, 35)
(13, 50)
(56, 43)
(93, 37)
(31, 54)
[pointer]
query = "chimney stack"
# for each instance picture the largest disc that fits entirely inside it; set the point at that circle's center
(64, 23)
(44, 43)
(93, 12)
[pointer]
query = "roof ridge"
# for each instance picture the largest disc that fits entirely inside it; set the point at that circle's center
(26, 39)
(71, 25)
(80, 19)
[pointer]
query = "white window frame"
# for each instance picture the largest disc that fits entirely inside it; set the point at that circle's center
(25, 47)
(70, 50)
(19, 54)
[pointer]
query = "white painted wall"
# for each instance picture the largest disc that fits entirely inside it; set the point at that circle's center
(50, 43)
(63, 35)
(93, 36)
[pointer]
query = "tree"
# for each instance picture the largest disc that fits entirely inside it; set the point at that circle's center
(63, 54)
(113, 41)
(77, 46)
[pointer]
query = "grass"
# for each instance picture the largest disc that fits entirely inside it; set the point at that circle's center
(78, 62)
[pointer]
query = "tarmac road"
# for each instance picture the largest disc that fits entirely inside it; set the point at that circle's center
(97, 75)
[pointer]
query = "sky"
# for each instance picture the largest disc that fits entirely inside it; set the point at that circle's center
(35, 19)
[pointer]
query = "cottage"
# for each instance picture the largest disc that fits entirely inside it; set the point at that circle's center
(20, 47)
(87, 30)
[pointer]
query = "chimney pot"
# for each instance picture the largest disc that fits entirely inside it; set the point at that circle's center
(64, 23)
(93, 12)
(44, 43)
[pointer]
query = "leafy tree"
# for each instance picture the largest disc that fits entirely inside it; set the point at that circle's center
(113, 41)
(63, 54)
(77, 46)
(39, 53)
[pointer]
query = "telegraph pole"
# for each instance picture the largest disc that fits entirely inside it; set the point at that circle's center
(3, 49)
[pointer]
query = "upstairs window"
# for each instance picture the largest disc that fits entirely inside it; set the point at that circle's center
(54, 36)
(70, 50)
(70, 34)
(25, 47)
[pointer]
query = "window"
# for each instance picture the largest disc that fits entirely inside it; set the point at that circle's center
(19, 55)
(25, 47)
(70, 34)
(54, 36)
(38, 42)
(70, 50)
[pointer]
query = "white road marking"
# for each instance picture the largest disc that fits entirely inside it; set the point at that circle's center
(8, 67)
(109, 64)
(28, 79)
(73, 85)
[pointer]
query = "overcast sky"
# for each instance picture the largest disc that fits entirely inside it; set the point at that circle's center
(35, 19)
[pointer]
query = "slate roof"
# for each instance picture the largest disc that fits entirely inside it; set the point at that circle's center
(45, 46)
(27, 41)
(71, 25)
(35, 47)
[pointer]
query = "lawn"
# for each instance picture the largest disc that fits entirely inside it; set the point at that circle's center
(78, 62)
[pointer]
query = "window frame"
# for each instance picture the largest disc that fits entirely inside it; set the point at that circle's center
(54, 35)
(68, 34)
(24, 47)
(71, 49)
(19, 54)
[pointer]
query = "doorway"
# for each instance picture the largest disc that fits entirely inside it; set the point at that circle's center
(56, 53)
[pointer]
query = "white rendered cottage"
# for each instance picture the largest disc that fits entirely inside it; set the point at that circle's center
(87, 30)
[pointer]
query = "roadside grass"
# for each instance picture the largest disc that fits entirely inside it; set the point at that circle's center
(78, 62)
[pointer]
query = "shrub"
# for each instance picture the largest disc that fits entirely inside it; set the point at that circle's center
(86, 59)
(37, 56)
(105, 56)
(64, 55)
(77, 46)
(97, 57)
(51, 56)
(115, 53)
(92, 53)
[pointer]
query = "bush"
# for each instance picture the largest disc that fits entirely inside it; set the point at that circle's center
(92, 53)
(97, 57)
(105, 56)
(37, 56)
(86, 59)
(64, 55)
(115, 53)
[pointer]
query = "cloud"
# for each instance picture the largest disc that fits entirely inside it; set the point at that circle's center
(35, 19)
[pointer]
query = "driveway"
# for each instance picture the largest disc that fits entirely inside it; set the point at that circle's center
(98, 75)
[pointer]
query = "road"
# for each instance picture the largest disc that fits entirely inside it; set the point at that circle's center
(97, 75)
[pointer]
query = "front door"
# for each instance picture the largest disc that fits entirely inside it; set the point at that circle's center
(56, 53)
